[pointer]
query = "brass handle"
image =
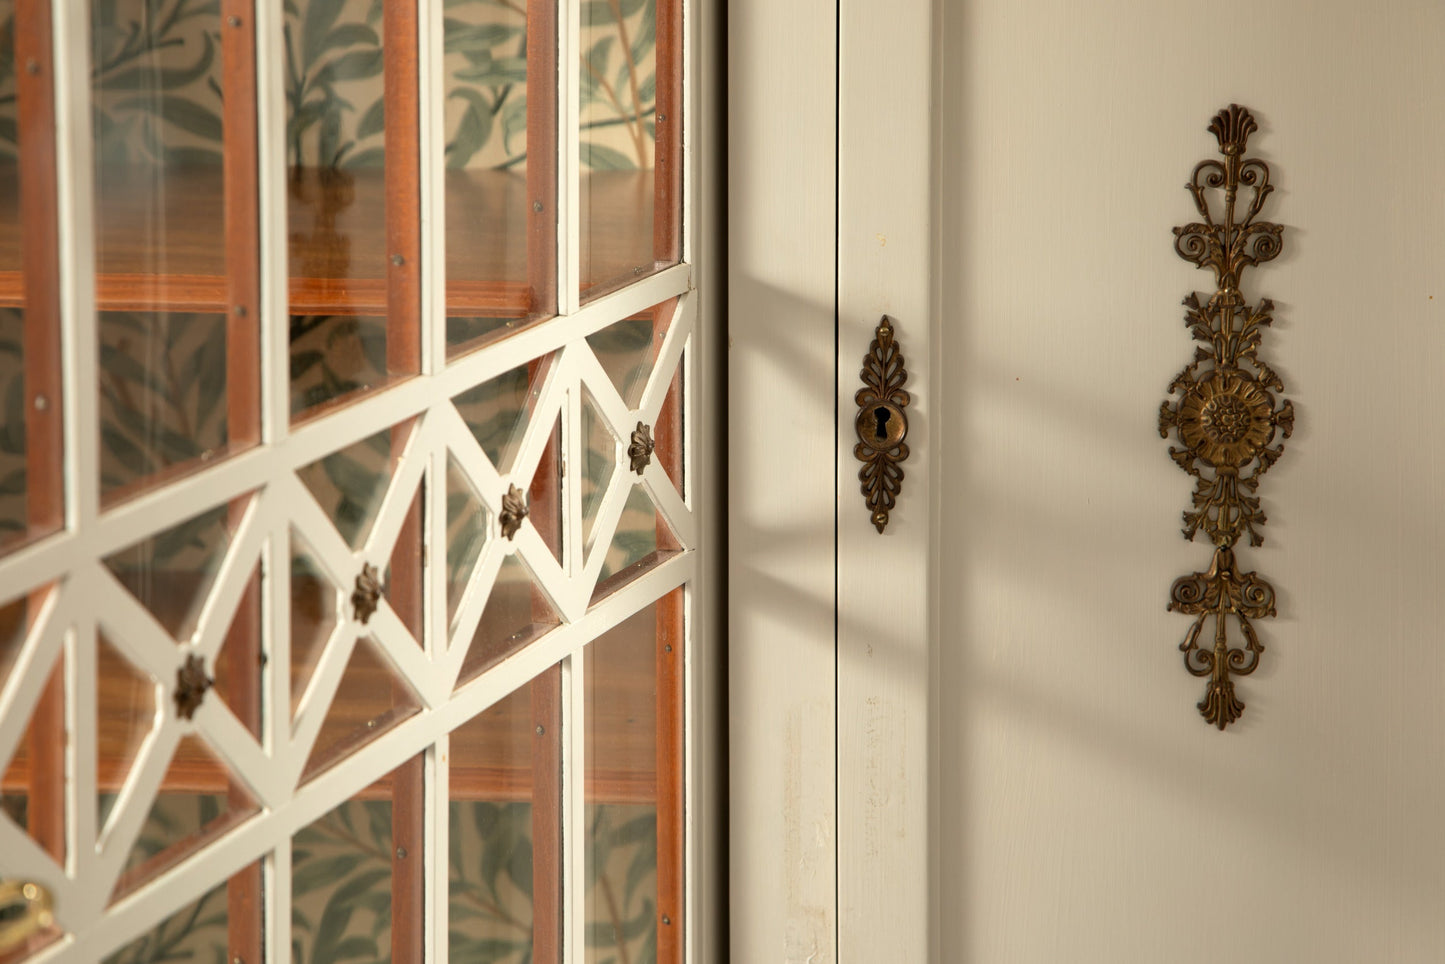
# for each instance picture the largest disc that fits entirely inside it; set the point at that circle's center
(882, 424)
(25, 910)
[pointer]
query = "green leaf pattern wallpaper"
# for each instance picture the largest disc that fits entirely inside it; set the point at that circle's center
(341, 877)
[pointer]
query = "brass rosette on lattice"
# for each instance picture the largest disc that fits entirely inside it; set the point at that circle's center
(1226, 415)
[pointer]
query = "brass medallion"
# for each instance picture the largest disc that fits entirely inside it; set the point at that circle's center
(191, 686)
(366, 594)
(1225, 414)
(514, 510)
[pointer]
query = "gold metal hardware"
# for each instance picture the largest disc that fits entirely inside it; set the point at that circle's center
(25, 910)
(1225, 415)
(881, 424)
(191, 685)
(366, 594)
(514, 510)
(639, 450)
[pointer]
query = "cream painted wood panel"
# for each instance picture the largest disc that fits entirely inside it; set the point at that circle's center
(1086, 812)
(782, 88)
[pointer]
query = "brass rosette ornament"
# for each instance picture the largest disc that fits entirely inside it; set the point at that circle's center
(1226, 416)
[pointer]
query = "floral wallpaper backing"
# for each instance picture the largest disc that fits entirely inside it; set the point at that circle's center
(341, 876)
(158, 103)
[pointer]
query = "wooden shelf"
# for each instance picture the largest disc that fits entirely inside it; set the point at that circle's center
(336, 231)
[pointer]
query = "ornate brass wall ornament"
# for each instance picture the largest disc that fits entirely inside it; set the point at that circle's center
(639, 450)
(366, 594)
(881, 424)
(191, 685)
(1225, 415)
(514, 510)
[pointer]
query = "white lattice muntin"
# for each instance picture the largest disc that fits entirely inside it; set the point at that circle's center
(83, 598)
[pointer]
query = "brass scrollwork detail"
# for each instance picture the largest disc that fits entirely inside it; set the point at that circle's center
(882, 424)
(1225, 414)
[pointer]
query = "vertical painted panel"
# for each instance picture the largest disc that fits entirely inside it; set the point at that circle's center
(885, 245)
(781, 221)
(1091, 814)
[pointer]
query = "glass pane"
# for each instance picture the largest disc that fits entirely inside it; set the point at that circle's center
(500, 67)
(209, 929)
(371, 699)
(634, 787)
(176, 283)
(505, 783)
(240, 662)
(630, 140)
(496, 411)
(354, 295)
(314, 608)
(627, 351)
(31, 493)
(171, 573)
(599, 460)
(198, 801)
(355, 874)
(350, 485)
(517, 613)
(467, 530)
(125, 717)
(32, 789)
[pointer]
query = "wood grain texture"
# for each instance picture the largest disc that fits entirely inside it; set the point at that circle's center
(546, 708)
(401, 38)
(671, 839)
(37, 265)
(337, 252)
(542, 120)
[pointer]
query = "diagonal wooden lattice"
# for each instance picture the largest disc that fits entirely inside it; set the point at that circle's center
(270, 504)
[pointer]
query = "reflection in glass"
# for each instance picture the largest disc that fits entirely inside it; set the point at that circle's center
(356, 875)
(127, 696)
(197, 802)
(32, 789)
(175, 278)
(210, 928)
(633, 787)
(370, 700)
(171, 573)
(346, 336)
(505, 783)
(500, 188)
(630, 140)
(517, 613)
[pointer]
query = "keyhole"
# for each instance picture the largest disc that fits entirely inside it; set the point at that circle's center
(882, 415)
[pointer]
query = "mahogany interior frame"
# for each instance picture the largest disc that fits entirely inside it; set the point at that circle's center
(44, 415)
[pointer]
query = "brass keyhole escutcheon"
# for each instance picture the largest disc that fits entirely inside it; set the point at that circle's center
(881, 424)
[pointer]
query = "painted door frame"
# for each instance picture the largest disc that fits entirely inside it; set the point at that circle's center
(832, 722)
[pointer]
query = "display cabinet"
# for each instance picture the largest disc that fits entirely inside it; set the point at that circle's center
(348, 544)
